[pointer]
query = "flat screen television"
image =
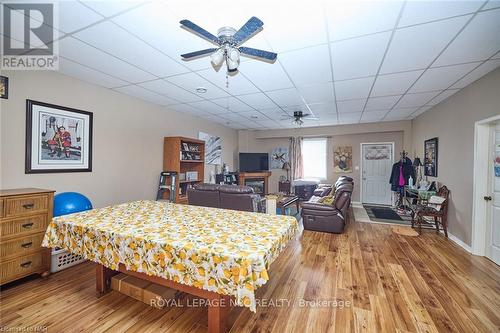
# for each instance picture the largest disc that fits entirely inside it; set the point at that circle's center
(254, 162)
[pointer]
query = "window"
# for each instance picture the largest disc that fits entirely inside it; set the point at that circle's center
(314, 158)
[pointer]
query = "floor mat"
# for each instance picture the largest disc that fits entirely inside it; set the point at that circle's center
(386, 215)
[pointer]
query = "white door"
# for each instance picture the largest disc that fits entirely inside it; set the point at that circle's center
(376, 167)
(493, 225)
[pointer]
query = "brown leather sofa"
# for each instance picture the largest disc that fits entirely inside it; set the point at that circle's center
(317, 216)
(224, 196)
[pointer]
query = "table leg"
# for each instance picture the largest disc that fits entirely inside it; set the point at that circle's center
(218, 310)
(103, 279)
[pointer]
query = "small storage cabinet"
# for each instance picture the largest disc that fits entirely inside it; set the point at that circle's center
(24, 217)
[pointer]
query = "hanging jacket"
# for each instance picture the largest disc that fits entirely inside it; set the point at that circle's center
(407, 172)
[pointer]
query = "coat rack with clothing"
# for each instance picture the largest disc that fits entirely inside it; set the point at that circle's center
(401, 172)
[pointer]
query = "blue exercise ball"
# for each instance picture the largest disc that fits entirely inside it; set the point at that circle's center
(70, 202)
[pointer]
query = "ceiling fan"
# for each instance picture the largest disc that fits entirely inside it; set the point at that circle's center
(298, 117)
(228, 42)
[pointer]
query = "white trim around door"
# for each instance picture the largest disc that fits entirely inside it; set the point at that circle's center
(389, 199)
(481, 187)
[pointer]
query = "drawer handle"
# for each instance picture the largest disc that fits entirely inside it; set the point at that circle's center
(26, 245)
(27, 225)
(29, 206)
(25, 264)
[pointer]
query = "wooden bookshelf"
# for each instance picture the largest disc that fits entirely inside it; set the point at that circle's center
(177, 158)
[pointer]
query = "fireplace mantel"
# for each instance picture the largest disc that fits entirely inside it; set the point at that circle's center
(243, 177)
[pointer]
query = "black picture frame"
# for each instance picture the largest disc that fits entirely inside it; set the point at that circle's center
(30, 132)
(4, 80)
(431, 153)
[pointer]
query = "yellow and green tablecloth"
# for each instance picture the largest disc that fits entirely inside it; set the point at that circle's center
(220, 250)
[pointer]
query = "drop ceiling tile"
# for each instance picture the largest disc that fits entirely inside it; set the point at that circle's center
(191, 81)
(401, 112)
(234, 84)
(416, 100)
(280, 24)
(419, 112)
(477, 73)
(233, 104)
(369, 116)
(394, 84)
(162, 30)
(318, 93)
(492, 4)
(307, 66)
(417, 12)
(441, 77)
(351, 89)
(73, 16)
(323, 108)
(258, 101)
(145, 95)
(236, 117)
(209, 107)
(109, 8)
(412, 49)
(113, 39)
(441, 97)
(264, 75)
(257, 116)
(381, 103)
(184, 108)
(351, 105)
(78, 71)
(82, 53)
(358, 57)
(165, 88)
(349, 118)
(285, 97)
(478, 41)
(348, 19)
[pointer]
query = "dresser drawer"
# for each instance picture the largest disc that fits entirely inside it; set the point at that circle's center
(23, 226)
(21, 246)
(21, 266)
(1, 207)
(26, 205)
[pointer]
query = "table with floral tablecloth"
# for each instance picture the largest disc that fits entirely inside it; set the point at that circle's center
(225, 251)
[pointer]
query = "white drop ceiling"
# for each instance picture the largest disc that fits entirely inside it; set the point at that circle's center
(345, 62)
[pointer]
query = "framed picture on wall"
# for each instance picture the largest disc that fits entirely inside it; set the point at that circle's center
(4, 87)
(431, 157)
(58, 139)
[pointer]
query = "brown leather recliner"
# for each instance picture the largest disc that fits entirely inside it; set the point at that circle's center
(329, 218)
(224, 196)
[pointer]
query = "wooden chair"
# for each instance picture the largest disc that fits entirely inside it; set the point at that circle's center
(440, 216)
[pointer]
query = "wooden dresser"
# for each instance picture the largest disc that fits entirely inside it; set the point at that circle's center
(24, 216)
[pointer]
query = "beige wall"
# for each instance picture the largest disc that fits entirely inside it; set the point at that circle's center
(128, 138)
(349, 135)
(452, 121)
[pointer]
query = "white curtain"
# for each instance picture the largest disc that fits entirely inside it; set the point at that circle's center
(296, 167)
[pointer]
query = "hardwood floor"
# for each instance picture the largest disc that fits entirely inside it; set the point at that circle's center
(382, 282)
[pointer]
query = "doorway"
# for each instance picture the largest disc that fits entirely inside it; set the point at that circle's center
(486, 194)
(376, 166)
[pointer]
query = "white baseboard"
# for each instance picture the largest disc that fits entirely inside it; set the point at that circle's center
(459, 242)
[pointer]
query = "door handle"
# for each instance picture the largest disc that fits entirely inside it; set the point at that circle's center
(488, 198)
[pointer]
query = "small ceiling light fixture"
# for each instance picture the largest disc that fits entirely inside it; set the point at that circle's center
(201, 90)
(254, 117)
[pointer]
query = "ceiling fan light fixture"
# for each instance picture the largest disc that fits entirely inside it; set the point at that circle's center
(233, 59)
(297, 122)
(217, 57)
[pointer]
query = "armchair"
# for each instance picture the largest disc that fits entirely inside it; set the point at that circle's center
(440, 215)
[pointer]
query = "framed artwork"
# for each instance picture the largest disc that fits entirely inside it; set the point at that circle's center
(213, 148)
(58, 139)
(431, 157)
(4, 87)
(342, 159)
(278, 157)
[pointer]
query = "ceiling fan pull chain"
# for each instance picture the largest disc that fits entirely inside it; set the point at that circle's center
(227, 79)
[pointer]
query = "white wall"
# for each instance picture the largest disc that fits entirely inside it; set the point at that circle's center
(128, 138)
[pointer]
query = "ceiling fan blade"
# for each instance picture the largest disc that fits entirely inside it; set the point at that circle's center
(259, 54)
(196, 54)
(197, 30)
(252, 27)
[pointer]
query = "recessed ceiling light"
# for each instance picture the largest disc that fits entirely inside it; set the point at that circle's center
(201, 90)
(254, 117)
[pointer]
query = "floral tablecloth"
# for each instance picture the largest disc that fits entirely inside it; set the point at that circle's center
(224, 251)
